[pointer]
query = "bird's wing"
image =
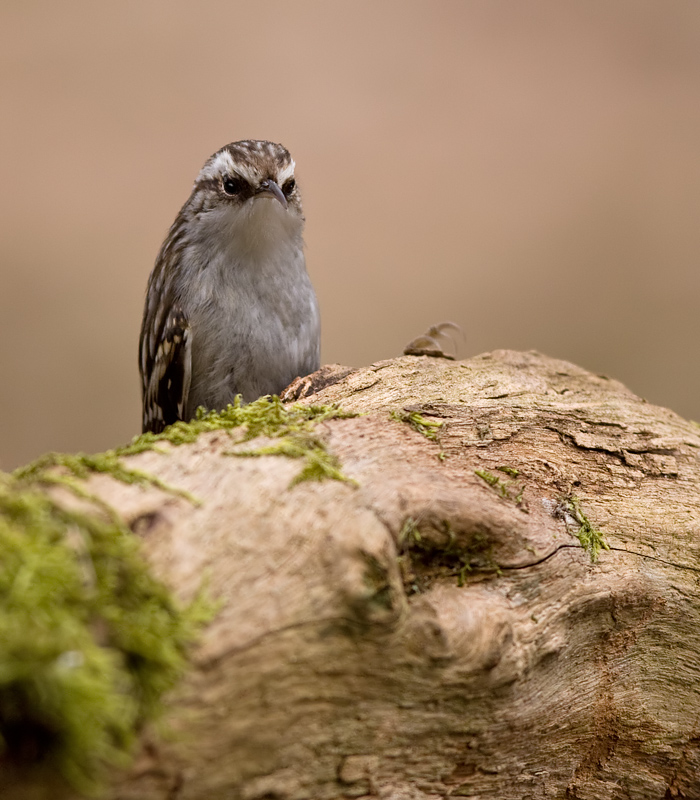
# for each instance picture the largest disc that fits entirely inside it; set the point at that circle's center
(166, 368)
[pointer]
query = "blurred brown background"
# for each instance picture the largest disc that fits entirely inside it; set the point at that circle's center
(530, 170)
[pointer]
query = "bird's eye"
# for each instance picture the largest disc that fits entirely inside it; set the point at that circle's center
(233, 186)
(288, 187)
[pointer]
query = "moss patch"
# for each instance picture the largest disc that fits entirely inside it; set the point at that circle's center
(590, 537)
(267, 416)
(427, 427)
(292, 427)
(319, 463)
(90, 639)
(63, 468)
(507, 489)
(493, 481)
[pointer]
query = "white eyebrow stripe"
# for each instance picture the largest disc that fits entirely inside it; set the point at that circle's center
(221, 163)
(227, 163)
(224, 164)
(286, 173)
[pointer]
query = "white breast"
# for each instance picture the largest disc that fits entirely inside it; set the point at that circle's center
(253, 313)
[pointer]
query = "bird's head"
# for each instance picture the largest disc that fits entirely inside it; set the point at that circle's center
(250, 184)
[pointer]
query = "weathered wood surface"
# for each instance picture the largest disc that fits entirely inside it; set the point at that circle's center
(347, 660)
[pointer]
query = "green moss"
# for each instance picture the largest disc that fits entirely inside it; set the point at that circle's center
(292, 427)
(508, 490)
(60, 468)
(319, 463)
(267, 416)
(90, 639)
(590, 537)
(493, 481)
(427, 427)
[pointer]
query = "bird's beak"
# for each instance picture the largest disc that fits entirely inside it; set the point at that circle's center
(269, 188)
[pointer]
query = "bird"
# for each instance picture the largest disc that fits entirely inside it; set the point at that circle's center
(230, 309)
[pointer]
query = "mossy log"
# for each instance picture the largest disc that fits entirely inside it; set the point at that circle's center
(502, 602)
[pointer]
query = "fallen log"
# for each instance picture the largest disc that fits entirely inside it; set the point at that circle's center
(498, 598)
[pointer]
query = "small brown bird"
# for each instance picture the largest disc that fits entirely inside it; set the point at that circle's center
(230, 308)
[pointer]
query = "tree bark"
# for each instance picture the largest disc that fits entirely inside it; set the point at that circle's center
(436, 629)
